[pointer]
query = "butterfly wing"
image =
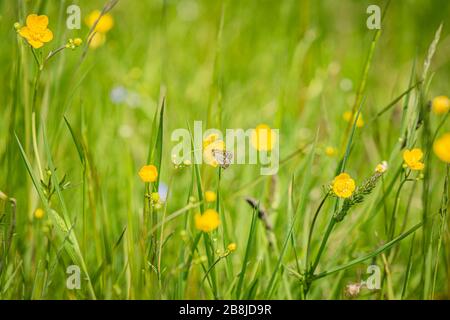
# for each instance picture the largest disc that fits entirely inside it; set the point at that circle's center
(223, 158)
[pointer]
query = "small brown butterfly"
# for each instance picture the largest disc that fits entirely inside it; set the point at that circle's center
(223, 157)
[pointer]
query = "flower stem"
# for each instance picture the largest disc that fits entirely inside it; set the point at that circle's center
(323, 243)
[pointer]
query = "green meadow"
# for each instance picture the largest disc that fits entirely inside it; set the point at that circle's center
(92, 205)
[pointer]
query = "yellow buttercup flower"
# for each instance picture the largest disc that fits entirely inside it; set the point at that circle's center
(148, 173)
(350, 117)
(210, 139)
(232, 247)
(263, 138)
(330, 151)
(441, 148)
(440, 105)
(208, 221)
(105, 23)
(36, 31)
(39, 213)
(413, 159)
(210, 196)
(343, 185)
(210, 143)
(97, 40)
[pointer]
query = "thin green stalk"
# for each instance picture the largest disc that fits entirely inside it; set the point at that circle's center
(327, 234)
(35, 146)
(368, 256)
(394, 210)
(311, 230)
(251, 237)
(442, 228)
(408, 268)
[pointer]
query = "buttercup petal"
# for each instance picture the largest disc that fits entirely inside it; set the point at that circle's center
(35, 43)
(96, 40)
(105, 23)
(417, 154)
(25, 32)
(31, 19)
(47, 36)
(37, 22)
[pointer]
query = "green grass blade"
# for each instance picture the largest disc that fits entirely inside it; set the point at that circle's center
(370, 255)
(248, 249)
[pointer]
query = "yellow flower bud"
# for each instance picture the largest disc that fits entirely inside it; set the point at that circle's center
(155, 197)
(208, 221)
(210, 196)
(39, 213)
(232, 247)
(440, 105)
(77, 42)
(330, 151)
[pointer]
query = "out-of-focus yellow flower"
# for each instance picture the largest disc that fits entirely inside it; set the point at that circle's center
(208, 221)
(97, 40)
(350, 117)
(39, 213)
(381, 167)
(343, 185)
(210, 196)
(36, 31)
(213, 137)
(232, 247)
(330, 151)
(105, 23)
(148, 173)
(440, 105)
(441, 148)
(210, 143)
(263, 138)
(413, 159)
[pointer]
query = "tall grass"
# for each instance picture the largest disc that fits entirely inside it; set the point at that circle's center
(70, 147)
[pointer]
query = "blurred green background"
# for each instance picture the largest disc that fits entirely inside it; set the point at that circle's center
(295, 65)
